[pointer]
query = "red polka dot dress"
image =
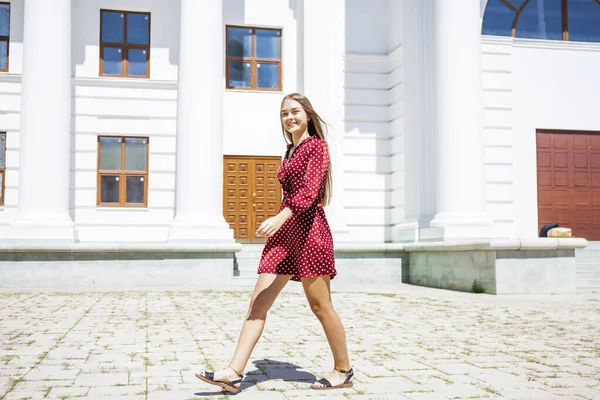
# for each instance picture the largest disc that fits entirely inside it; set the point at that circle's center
(303, 246)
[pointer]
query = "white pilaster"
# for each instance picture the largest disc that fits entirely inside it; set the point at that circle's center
(459, 120)
(419, 126)
(45, 145)
(199, 181)
(324, 48)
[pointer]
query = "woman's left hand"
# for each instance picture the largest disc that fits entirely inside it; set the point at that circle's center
(270, 226)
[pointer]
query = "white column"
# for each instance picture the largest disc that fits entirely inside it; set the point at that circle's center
(324, 49)
(199, 181)
(459, 119)
(45, 144)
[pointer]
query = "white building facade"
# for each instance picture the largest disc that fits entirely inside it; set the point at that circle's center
(158, 121)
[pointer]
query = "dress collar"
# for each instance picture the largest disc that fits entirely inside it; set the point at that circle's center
(306, 139)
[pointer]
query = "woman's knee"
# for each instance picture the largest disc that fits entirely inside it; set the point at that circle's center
(320, 309)
(258, 309)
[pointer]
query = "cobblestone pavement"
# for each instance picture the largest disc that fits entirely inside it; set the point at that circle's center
(405, 343)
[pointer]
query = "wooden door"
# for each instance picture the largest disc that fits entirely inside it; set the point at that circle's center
(568, 165)
(251, 194)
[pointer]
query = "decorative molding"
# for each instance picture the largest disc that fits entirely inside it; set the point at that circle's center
(538, 44)
(125, 83)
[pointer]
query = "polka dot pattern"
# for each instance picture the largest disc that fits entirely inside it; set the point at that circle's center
(303, 246)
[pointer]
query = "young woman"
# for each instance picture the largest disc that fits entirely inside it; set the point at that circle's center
(299, 247)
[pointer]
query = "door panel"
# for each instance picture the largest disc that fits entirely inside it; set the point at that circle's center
(251, 193)
(568, 165)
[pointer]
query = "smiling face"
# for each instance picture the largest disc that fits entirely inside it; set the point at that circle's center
(294, 118)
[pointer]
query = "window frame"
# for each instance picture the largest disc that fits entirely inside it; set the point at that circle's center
(253, 60)
(123, 174)
(7, 38)
(518, 11)
(3, 171)
(125, 47)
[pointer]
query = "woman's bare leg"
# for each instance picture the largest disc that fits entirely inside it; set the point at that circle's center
(266, 290)
(318, 294)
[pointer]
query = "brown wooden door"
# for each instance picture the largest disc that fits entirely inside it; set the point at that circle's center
(569, 181)
(251, 193)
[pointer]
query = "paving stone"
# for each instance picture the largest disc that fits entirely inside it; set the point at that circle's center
(435, 345)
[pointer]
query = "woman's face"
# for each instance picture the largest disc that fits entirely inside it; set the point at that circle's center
(294, 117)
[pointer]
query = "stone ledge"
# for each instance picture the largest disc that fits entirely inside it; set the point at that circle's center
(124, 247)
(500, 244)
(348, 247)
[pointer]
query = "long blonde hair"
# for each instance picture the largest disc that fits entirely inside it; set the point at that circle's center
(316, 128)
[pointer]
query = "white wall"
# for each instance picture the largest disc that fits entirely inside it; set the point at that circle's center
(368, 21)
(251, 118)
(498, 66)
(529, 85)
(373, 149)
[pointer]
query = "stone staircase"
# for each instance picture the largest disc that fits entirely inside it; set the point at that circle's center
(246, 264)
(588, 268)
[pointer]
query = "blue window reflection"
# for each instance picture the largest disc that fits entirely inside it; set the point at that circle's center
(136, 65)
(498, 19)
(268, 44)
(541, 19)
(239, 42)
(239, 74)
(137, 28)
(3, 54)
(267, 76)
(112, 61)
(584, 21)
(4, 19)
(113, 26)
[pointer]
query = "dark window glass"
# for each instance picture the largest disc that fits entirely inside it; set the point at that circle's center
(113, 58)
(268, 44)
(239, 74)
(541, 19)
(3, 54)
(4, 19)
(498, 19)
(239, 42)
(136, 65)
(137, 28)
(113, 26)
(267, 75)
(109, 189)
(584, 20)
(135, 190)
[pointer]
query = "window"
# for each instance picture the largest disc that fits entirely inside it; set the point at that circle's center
(4, 35)
(124, 44)
(122, 171)
(575, 20)
(253, 58)
(2, 164)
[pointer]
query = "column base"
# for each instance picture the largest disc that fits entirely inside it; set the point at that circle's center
(449, 226)
(46, 230)
(409, 232)
(208, 229)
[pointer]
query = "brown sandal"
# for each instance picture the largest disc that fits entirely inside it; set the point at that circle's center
(327, 385)
(209, 377)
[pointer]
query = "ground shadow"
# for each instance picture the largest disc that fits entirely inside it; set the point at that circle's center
(266, 370)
